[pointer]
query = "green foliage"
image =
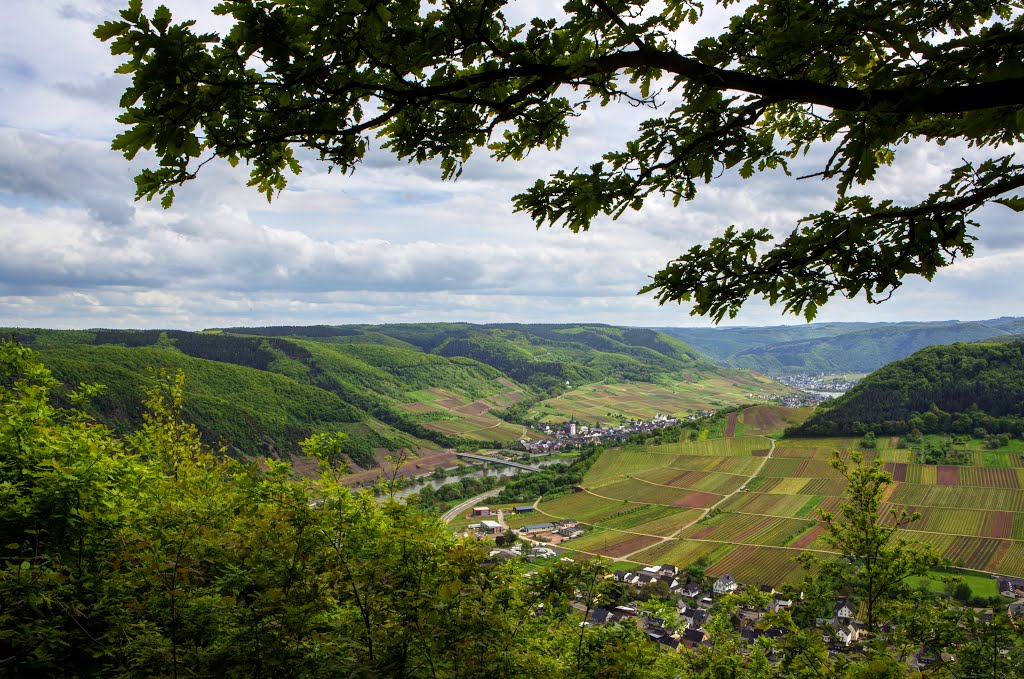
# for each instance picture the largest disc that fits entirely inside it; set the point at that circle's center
(154, 556)
(943, 450)
(949, 389)
(541, 356)
(150, 555)
(274, 415)
(327, 449)
(876, 562)
(551, 481)
(357, 386)
(851, 82)
(470, 486)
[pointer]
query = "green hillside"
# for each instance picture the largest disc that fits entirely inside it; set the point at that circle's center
(253, 412)
(260, 391)
(946, 389)
(721, 343)
(542, 357)
(835, 347)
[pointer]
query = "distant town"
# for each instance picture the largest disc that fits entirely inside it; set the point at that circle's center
(821, 385)
(573, 434)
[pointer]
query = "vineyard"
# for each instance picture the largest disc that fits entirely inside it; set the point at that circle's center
(771, 420)
(641, 491)
(748, 512)
(612, 543)
(749, 529)
(755, 564)
(959, 497)
(707, 481)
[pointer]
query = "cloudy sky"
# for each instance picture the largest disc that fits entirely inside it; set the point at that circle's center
(392, 243)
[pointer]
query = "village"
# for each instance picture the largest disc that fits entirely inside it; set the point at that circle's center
(573, 434)
(822, 385)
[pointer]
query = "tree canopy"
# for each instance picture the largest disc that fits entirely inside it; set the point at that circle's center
(855, 81)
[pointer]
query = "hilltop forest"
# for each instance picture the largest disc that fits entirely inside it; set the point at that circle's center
(973, 389)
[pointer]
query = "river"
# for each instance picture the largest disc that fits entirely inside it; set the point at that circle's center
(477, 471)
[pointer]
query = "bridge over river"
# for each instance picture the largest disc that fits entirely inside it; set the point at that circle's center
(494, 460)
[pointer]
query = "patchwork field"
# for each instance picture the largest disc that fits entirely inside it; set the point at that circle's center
(604, 402)
(450, 414)
(733, 456)
(749, 512)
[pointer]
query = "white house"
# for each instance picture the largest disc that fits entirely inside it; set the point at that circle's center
(725, 585)
(847, 634)
(844, 610)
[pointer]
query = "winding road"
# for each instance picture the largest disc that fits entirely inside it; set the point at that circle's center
(459, 508)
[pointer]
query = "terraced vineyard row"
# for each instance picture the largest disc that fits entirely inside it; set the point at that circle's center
(711, 482)
(748, 529)
(766, 503)
(653, 519)
(681, 552)
(613, 544)
(619, 462)
(640, 491)
(756, 564)
(980, 523)
(585, 507)
(796, 467)
(958, 497)
(740, 445)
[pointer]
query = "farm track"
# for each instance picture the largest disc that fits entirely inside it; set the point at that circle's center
(633, 502)
(725, 498)
(679, 469)
(757, 471)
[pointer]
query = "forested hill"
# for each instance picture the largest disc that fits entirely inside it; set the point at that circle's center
(540, 356)
(261, 391)
(958, 388)
(835, 347)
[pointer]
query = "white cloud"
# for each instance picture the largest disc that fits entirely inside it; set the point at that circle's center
(389, 243)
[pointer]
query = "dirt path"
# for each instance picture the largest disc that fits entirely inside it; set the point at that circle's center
(724, 499)
(764, 461)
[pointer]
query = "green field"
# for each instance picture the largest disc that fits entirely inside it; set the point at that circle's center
(981, 585)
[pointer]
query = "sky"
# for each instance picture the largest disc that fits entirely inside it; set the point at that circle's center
(391, 243)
